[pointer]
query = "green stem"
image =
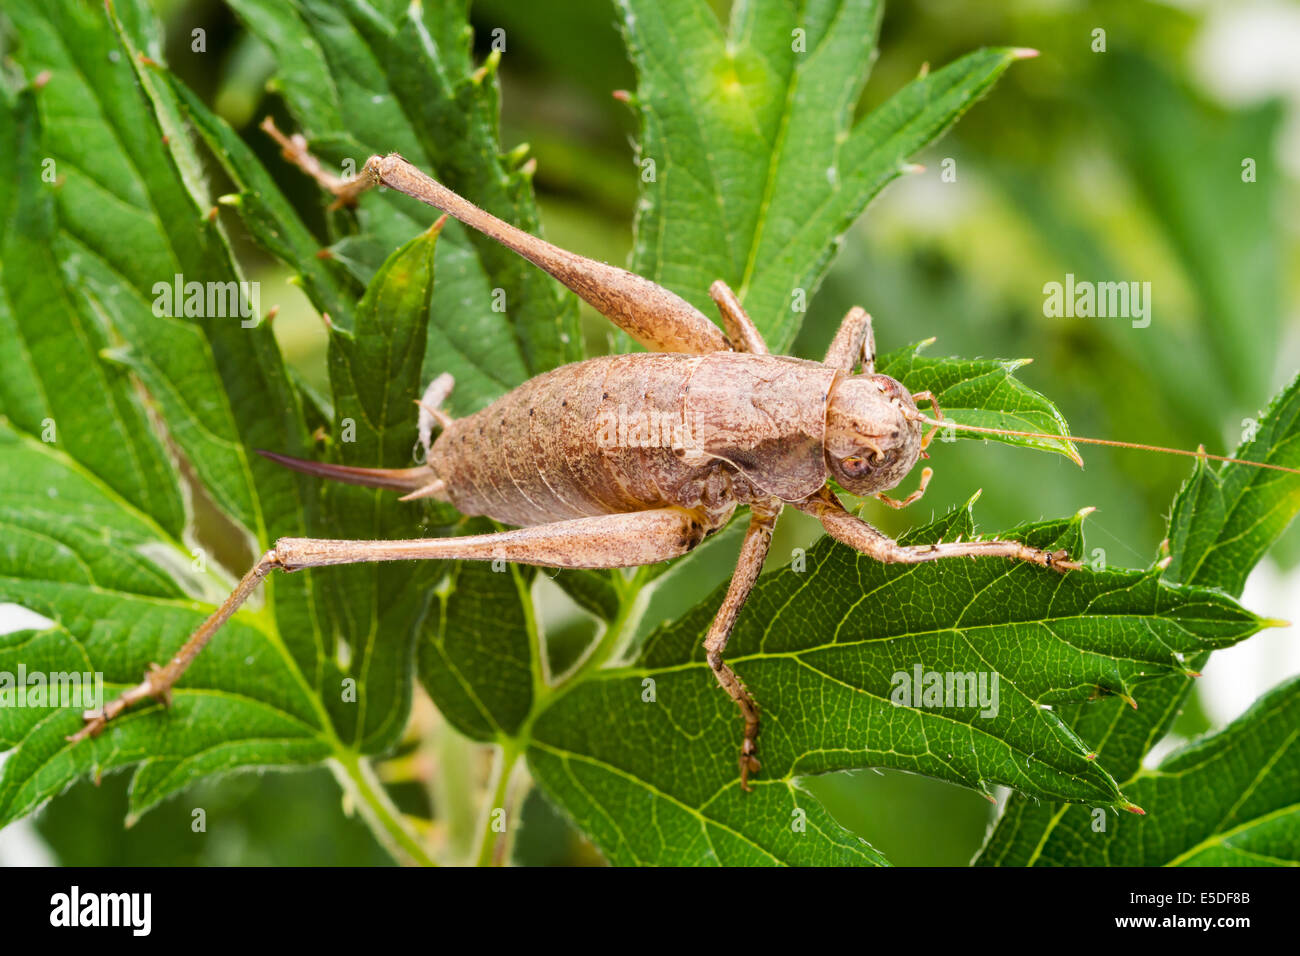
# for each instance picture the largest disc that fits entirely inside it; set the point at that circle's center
(452, 791)
(536, 664)
(385, 820)
(491, 837)
(630, 607)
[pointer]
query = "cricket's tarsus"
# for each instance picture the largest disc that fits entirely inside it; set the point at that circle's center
(158, 683)
(294, 149)
(744, 428)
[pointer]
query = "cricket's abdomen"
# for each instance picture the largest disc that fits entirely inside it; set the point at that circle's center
(559, 446)
(618, 434)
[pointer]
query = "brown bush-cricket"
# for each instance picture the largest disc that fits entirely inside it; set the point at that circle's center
(554, 459)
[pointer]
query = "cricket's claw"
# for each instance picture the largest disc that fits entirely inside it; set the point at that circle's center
(155, 686)
(97, 721)
(1060, 561)
(94, 724)
(748, 764)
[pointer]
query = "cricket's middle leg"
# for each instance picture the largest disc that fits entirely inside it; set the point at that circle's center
(752, 554)
(741, 329)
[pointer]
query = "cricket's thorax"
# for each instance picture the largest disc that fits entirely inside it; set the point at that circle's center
(631, 432)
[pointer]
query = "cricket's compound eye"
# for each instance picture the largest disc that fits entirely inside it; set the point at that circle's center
(871, 440)
(855, 466)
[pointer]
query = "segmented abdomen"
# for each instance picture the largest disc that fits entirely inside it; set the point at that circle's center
(589, 438)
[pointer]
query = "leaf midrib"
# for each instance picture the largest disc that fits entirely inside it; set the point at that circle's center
(778, 149)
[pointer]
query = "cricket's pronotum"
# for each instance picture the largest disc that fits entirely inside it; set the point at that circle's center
(553, 456)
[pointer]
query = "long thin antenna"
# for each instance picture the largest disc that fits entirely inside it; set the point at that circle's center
(1199, 453)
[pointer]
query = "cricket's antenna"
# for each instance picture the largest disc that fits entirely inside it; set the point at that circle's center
(942, 422)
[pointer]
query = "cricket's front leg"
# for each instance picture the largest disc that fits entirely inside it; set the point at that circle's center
(752, 554)
(857, 534)
(853, 343)
(605, 541)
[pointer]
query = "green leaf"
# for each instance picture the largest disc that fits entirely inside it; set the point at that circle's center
(375, 379)
(267, 214)
(634, 822)
(758, 168)
(1245, 812)
(1224, 519)
(103, 573)
(128, 218)
(172, 360)
(1228, 799)
(478, 658)
(591, 590)
(54, 384)
(124, 194)
(981, 392)
(825, 652)
(103, 561)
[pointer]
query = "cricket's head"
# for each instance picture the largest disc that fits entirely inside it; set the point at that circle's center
(873, 437)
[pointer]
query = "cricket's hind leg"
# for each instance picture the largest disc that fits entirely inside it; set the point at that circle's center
(346, 192)
(660, 320)
(607, 541)
(158, 683)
